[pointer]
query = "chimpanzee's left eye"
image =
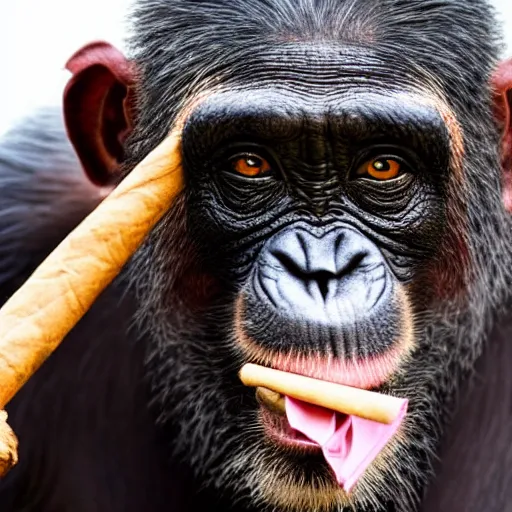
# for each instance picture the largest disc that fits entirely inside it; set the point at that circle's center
(250, 165)
(381, 169)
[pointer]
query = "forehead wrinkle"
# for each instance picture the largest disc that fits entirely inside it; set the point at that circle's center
(322, 66)
(321, 73)
(317, 72)
(272, 106)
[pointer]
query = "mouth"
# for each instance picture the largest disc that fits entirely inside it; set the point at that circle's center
(349, 426)
(370, 375)
(273, 416)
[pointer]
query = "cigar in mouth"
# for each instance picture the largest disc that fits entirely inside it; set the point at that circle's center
(272, 385)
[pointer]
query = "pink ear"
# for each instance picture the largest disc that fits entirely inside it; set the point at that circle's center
(97, 108)
(502, 84)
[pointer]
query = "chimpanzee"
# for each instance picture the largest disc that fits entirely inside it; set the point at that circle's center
(346, 215)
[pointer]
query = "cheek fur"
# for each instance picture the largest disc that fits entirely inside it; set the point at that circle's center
(179, 278)
(447, 276)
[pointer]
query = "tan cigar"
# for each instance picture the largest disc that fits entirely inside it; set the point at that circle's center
(336, 397)
(41, 313)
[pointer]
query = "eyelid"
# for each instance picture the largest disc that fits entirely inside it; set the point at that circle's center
(246, 154)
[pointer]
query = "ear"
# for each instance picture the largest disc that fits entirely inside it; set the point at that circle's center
(98, 106)
(502, 84)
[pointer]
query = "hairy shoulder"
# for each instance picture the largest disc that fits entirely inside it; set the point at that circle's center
(44, 192)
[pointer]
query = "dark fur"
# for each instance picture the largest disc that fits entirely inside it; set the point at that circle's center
(44, 194)
(87, 453)
(473, 470)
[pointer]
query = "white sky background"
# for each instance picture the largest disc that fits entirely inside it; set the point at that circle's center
(37, 37)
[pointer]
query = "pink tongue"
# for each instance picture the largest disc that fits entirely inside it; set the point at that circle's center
(349, 443)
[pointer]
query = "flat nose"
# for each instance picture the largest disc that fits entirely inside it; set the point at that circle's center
(318, 261)
(322, 277)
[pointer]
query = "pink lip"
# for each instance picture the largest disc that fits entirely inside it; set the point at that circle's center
(363, 373)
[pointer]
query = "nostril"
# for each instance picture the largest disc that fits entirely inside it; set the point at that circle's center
(322, 278)
(290, 265)
(352, 265)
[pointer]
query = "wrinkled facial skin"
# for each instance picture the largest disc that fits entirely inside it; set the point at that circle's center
(319, 268)
(318, 255)
(317, 258)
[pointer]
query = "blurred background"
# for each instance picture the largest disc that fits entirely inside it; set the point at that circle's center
(38, 36)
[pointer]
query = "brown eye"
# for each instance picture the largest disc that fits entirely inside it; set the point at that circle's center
(381, 169)
(251, 165)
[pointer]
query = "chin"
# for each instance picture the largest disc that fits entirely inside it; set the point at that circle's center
(286, 472)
